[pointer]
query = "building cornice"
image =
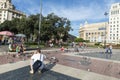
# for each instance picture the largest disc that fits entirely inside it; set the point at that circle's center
(15, 11)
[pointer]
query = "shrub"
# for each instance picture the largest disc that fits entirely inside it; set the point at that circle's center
(97, 44)
(31, 43)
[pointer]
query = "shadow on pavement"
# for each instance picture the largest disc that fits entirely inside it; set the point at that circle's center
(23, 74)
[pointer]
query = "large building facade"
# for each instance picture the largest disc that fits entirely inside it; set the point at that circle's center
(8, 11)
(114, 23)
(94, 32)
(104, 31)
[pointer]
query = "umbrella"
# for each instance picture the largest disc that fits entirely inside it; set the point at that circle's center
(20, 35)
(6, 33)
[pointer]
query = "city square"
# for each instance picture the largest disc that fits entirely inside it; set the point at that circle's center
(91, 61)
(60, 40)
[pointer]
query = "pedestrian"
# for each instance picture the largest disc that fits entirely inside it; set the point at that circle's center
(10, 47)
(18, 50)
(21, 49)
(37, 56)
(51, 45)
(0, 42)
(106, 49)
(62, 48)
(76, 49)
(73, 44)
(110, 50)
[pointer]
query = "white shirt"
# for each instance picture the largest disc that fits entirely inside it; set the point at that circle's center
(110, 47)
(38, 56)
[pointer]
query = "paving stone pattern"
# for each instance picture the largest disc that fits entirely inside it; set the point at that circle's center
(97, 66)
(23, 74)
(115, 56)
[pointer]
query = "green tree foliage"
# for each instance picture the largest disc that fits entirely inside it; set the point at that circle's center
(52, 27)
(5, 25)
(79, 40)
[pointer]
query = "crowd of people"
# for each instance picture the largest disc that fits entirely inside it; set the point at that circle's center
(15, 44)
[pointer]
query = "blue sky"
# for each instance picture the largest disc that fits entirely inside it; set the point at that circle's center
(77, 11)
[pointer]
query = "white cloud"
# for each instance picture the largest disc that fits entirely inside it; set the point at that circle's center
(93, 11)
(27, 6)
(78, 12)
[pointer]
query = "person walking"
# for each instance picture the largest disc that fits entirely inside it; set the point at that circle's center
(37, 56)
(110, 50)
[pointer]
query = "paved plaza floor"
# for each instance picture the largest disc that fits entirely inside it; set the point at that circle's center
(23, 74)
(88, 64)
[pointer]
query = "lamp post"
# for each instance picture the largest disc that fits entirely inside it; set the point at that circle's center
(105, 30)
(39, 23)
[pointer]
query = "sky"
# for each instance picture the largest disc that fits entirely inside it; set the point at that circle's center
(77, 11)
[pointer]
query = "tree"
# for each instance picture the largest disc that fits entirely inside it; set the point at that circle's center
(55, 27)
(79, 40)
(14, 23)
(5, 25)
(52, 27)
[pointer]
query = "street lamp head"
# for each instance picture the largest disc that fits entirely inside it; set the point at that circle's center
(106, 13)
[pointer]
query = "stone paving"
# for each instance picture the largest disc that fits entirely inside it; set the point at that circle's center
(101, 55)
(23, 74)
(3, 48)
(73, 60)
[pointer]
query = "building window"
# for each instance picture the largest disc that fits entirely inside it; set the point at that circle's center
(113, 38)
(5, 5)
(86, 34)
